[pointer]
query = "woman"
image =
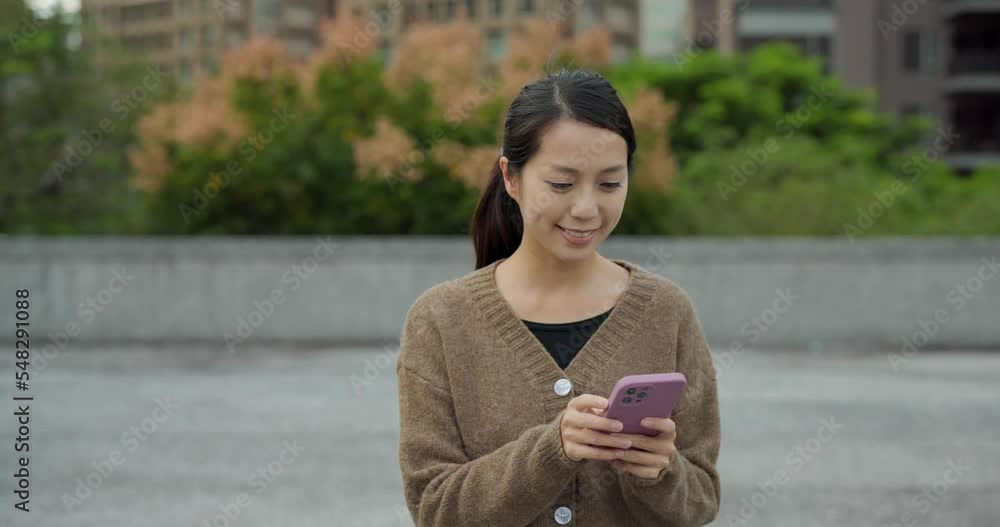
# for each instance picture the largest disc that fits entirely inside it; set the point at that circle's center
(500, 398)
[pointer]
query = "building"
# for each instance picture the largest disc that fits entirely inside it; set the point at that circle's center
(957, 53)
(185, 35)
(939, 58)
(662, 25)
(498, 18)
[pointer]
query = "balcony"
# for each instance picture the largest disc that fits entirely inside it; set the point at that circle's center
(952, 8)
(975, 119)
(968, 160)
(792, 4)
(976, 62)
(787, 18)
(974, 72)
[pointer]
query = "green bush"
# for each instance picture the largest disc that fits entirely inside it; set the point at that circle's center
(773, 90)
(804, 188)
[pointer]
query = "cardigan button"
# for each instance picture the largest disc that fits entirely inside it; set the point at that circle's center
(562, 387)
(563, 515)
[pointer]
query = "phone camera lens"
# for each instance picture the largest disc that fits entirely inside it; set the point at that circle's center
(642, 394)
(630, 391)
(627, 400)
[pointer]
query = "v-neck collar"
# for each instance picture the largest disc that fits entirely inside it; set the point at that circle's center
(602, 346)
(561, 326)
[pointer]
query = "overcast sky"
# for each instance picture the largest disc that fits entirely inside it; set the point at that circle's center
(45, 5)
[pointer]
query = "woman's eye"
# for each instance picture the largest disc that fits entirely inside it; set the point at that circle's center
(564, 186)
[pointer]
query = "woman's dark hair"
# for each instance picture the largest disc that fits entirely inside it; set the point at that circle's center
(580, 95)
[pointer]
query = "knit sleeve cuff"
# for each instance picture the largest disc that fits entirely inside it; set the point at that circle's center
(676, 470)
(552, 450)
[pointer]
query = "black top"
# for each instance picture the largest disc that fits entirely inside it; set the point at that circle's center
(565, 339)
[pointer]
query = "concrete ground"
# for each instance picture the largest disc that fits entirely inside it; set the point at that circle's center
(304, 446)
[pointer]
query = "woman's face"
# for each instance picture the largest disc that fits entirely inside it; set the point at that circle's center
(577, 181)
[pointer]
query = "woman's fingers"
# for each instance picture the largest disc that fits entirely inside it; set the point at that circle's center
(596, 422)
(587, 435)
(582, 451)
(583, 403)
(647, 459)
(590, 437)
(582, 414)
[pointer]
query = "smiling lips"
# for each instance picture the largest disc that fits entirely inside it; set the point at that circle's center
(577, 236)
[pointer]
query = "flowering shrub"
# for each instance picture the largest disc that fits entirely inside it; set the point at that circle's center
(342, 143)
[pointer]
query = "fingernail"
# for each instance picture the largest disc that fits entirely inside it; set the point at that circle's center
(620, 454)
(617, 426)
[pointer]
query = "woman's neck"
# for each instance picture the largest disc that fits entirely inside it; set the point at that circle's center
(544, 272)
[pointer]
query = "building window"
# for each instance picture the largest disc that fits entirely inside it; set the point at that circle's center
(209, 65)
(184, 8)
(920, 51)
(161, 10)
(150, 42)
(385, 50)
(585, 15)
(208, 36)
(185, 39)
(449, 9)
(131, 14)
(299, 47)
(234, 38)
(497, 7)
(497, 44)
(928, 50)
(910, 110)
(185, 72)
(265, 16)
(470, 8)
(527, 6)
(302, 17)
(911, 51)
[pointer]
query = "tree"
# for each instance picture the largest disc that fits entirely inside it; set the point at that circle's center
(64, 121)
(772, 91)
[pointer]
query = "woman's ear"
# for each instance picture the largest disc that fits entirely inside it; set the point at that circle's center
(509, 181)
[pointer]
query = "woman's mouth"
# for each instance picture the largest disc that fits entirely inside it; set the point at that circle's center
(576, 236)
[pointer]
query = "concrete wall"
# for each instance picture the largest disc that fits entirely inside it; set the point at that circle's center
(865, 296)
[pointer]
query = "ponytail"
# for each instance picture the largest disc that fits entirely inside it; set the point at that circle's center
(497, 224)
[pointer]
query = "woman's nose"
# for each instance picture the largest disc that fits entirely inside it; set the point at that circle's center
(584, 207)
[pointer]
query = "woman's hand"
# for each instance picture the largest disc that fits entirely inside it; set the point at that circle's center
(587, 435)
(649, 455)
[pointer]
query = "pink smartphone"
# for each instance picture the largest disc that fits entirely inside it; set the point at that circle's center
(636, 397)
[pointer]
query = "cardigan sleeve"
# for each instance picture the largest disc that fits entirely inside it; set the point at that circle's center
(686, 493)
(510, 486)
